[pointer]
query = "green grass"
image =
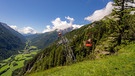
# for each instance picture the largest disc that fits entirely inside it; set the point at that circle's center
(3, 68)
(12, 68)
(122, 64)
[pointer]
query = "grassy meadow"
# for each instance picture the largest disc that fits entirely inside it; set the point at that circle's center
(7, 66)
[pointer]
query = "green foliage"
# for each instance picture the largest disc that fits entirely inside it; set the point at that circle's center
(122, 13)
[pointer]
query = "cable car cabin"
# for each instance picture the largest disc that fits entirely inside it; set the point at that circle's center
(88, 44)
(59, 34)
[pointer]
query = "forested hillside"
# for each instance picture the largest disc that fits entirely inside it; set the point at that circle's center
(121, 64)
(10, 41)
(107, 36)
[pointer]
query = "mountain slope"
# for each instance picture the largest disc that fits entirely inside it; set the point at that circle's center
(10, 41)
(45, 39)
(122, 64)
(42, 40)
(14, 32)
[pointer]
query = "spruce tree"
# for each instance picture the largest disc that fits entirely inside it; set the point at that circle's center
(120, 7)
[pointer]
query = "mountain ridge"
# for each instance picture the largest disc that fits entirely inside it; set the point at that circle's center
(10, 41)
(42, 40)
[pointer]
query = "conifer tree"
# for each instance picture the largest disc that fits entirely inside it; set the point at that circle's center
(121, 6)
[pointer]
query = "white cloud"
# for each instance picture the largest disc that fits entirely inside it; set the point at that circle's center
(58, 24)
(28, 30)
(25, 30)
(99, 14)
(48, 29)
(75, 26)
(70, 19)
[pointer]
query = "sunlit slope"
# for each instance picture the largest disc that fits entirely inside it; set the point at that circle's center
(121, 64)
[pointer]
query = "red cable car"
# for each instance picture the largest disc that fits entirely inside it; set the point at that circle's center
(88, 43)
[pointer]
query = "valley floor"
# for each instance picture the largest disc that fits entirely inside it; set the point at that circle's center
(122, 64)
(9, 65)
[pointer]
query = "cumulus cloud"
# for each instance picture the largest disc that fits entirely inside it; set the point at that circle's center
(25, 30)
(28, 30)
(58, 24)
(99, 14)
(48, 29)
(75, 26)
(70, 19)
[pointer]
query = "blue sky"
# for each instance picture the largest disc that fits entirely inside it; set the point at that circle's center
(37, 14)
